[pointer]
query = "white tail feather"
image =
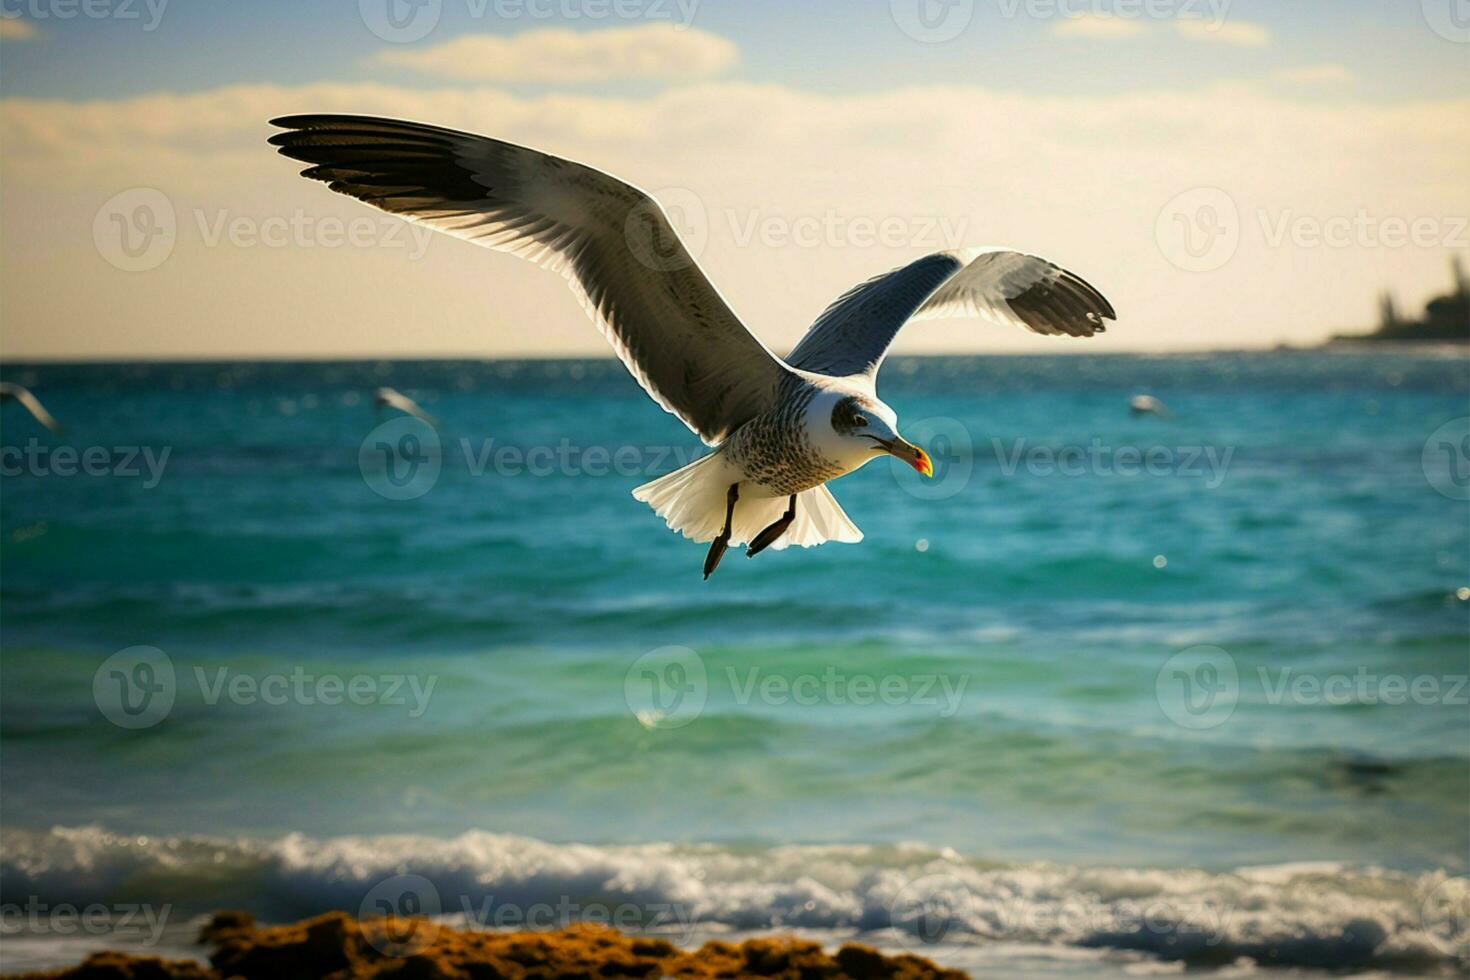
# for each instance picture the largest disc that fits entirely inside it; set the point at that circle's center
(692, 501)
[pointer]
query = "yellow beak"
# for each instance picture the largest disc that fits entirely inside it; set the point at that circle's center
(909, 453)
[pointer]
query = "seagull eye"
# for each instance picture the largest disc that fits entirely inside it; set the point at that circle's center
(859, 421)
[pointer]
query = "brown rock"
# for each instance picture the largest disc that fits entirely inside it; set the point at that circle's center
(337, 947)
(225, 923)
(121, 966)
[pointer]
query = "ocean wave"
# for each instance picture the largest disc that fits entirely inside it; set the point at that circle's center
(1322, 915)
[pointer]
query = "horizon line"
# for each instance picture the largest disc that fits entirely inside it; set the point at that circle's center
(1329, 347)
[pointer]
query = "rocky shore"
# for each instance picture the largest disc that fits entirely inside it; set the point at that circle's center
(336, 946)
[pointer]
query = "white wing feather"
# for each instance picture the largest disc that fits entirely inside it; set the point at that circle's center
(1012, 288)
(393, 398)
(610, 241)
(32, 404)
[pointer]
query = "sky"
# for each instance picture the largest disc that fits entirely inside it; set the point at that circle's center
(1230, 173)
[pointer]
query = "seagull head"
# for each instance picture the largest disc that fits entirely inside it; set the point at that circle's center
(875, 426)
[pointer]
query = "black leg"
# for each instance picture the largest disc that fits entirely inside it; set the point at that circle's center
(718, 546)
(767, 537)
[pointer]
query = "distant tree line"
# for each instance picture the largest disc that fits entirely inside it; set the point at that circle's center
(1446, 318)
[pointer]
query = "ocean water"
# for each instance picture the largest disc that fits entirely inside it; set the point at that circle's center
(1110, 696)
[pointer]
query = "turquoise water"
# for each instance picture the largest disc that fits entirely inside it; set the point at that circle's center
(986, 678)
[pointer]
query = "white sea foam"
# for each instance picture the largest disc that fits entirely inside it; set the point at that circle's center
(908, 896)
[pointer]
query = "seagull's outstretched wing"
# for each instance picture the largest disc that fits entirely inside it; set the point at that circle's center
(33, 404)
(854, 333)
(393, 398)
(610, 241)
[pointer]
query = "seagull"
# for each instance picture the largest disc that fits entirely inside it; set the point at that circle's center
(393, 398)
(22, 394)
(1149, 405)
(781, 428)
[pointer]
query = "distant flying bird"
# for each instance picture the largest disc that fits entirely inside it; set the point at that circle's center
(1149, 405)
(393, 398)
(33, 405)
(781, 428)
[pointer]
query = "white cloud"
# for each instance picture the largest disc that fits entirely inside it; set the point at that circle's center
(15, 29)
(1237, 32)
(1079, 179)
(1328, 74)
(557, 55)
(1099, 26)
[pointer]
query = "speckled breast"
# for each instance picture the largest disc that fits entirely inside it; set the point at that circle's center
(773, 450)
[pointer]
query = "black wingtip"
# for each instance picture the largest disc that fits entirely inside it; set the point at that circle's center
(294, 121)
(313, 120)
